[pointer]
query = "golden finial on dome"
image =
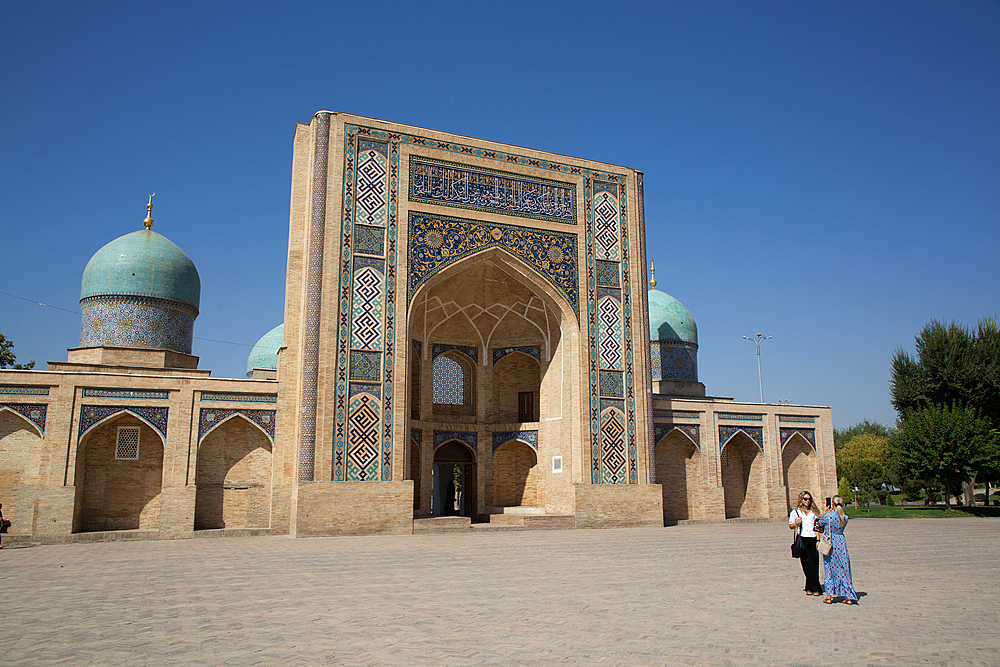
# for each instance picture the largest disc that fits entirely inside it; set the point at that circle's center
(149, 212)
(652, 273)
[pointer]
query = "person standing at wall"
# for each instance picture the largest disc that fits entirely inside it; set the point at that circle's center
(804, 518)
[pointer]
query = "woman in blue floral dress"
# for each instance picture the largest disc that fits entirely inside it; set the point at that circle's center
(837, 564)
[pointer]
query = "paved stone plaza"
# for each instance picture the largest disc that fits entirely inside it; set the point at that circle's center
(687, 595)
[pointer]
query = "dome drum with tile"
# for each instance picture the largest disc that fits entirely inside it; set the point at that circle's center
(264, 355)
(673, 337)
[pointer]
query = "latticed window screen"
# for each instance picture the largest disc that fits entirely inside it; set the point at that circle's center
(452, 381)
(127, 446)
(725, 456)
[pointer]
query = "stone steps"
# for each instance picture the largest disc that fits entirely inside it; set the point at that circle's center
(442, 524)
(534, 521)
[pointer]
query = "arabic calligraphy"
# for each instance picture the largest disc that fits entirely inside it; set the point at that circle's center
(450, 184)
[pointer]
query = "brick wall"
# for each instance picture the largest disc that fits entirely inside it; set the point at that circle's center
(354, 508)
(233, 478)
(513, 374)
(613, 505)
(517, 477)
(678, 472)
(798, 463)
(20, 448)
(743, 479)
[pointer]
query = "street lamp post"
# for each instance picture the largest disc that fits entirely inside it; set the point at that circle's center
(757, 339)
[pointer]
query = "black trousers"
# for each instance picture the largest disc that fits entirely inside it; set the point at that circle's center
(810, 565)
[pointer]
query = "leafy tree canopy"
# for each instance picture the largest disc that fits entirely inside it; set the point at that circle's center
(842, 435)
(7, 357)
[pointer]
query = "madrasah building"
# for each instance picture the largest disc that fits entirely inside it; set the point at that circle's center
(468, 343)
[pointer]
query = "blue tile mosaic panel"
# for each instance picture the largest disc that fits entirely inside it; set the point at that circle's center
(741, 416)
(614, 460)
(367, 388)
(23, 390)
(365, 365)
(692, 431)
(373, 167)
(500, 438)
(136, 321)
(607, 274)
(416, 434)
(438, 241)
(369, 240)
(611, 384)
(363, 437)
(33, 412)
(100, 392)
(238, 397)
(480, 189)
(616, 403)
(808, 433)
(91, 415)
(673, 360)
(417, 347)
(677, 414)
(606, 225)
(440, 348)
(471, 438)
(210, 418)
(534, 351)
(755, 433)
(609, 317)
(366, 309)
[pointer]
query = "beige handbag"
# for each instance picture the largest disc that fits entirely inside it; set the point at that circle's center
(824, 545)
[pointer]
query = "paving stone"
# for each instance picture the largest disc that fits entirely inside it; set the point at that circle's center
(695, 594)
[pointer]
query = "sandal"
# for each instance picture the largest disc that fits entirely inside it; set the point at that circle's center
(817, 593)
(852, 602)
(828, 600)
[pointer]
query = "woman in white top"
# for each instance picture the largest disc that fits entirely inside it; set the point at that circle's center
(804, 518)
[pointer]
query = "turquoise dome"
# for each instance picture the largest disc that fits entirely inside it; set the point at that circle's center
(144, 264)
(265, 353)
(669, 319)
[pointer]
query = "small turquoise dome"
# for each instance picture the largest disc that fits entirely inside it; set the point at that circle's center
(669, 319)
(265, 353)
(144, 264)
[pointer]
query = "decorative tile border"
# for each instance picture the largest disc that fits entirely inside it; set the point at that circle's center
(23, 390)
(676, 414)
(500, 438)
(755, 433)
(490, 190)
(238, 397)
(91, 415)
(796, 419)
(440, 348)
(531, 350)
(437, 241)
(210, 418)
(471, 438)
(808, 433)
(741, 416)
(693, 431)
(416, 434)
(140, 394)
(33, 412)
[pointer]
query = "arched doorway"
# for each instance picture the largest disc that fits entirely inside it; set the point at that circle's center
(119, 474)
(517, 478)
(20, 451)
(233, 477)
(454, 488)
(415, 472)
(743, 479)
(798, 466)
(678, 471)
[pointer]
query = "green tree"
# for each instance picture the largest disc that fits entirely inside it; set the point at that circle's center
(947, 445)
(7, 357)
(841, 436)
(863, 461)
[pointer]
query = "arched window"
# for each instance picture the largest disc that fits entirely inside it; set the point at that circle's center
(452, 380)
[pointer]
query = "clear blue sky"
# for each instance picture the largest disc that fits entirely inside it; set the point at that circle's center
(824, 173)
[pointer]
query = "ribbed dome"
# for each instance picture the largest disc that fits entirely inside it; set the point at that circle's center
(265, 353)
(142, 263)
(669, 319)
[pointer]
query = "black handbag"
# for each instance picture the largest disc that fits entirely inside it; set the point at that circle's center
(798, 547)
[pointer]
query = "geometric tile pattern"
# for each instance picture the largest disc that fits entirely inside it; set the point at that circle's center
(808, 433)
(238, 397)
(606, 223)
(480, 189)
(674, 360)
(210, 418)
(607, 274)
(97, 392)
(693, 431)
(23, 390)
(437, 241)
(136, 320)
(365, 388)
(367, 309)
(530, 350)
(363, 438)
(755, 433)
(615, 403)
(613, 453)
(34, 413)
(677, 414)
(609, 317)
(90, 415)
(471, 438)
(502, 437)
(362, 448)
(415, 435)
